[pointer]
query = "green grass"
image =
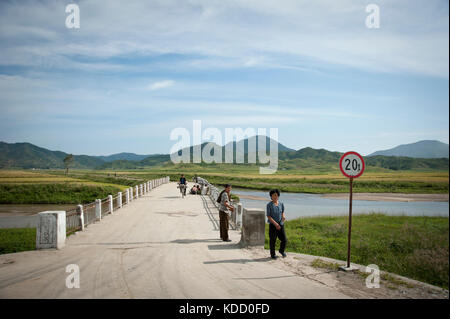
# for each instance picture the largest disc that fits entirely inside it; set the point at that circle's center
(329, 185)
(54, 193)
(309, 181)
(17, 239)
(325, 180)
(414, 247)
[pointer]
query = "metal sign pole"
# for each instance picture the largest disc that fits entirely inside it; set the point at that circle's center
(350, 222)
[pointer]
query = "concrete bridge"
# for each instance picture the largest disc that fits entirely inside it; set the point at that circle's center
(160, 245)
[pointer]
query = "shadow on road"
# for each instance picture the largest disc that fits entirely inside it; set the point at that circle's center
(209, 213)
(176, 241)
(224, 246)
(177, 214)
(238, 261)
(192, 241)
(258, 278)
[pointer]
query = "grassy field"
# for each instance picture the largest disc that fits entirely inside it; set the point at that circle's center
(42, 187)
(17, 239)
(82, 186)
(374, 180)
(414, 247)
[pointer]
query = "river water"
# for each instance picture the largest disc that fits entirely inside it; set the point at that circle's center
(8, 210)
(301, 205)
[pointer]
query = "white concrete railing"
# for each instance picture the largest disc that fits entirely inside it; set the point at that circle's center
(250, 221)
(52, 226)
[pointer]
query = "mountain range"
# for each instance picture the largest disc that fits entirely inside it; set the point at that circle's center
(420, 155)
(421, 149)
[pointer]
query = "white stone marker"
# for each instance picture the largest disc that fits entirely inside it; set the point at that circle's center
(51, 230)
(253, 227)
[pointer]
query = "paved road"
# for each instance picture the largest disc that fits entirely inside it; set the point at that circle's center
(159, 246)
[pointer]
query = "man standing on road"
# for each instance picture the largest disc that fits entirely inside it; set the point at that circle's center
(225, 203)
(276, 218)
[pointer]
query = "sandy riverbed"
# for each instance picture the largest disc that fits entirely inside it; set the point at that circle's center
(381, 197)
(392, 197)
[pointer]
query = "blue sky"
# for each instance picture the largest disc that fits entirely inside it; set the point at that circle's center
(136, 70)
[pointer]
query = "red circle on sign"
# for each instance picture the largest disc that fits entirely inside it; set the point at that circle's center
(342, 170)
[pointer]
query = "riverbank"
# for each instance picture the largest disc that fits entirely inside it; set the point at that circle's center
(382, 197)
(414, 247)
(392, 197)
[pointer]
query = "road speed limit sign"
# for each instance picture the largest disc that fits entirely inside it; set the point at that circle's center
(352, 165)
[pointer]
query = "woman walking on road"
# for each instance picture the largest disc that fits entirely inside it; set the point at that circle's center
(225, 203)
(276, 218)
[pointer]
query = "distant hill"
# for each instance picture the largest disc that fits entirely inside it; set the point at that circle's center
(421, 149)
(27, 155)
(321, 159)
(241, 147)
(123, 156)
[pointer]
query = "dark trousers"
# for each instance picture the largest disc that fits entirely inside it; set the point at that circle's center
(273, 235)
(223, 225)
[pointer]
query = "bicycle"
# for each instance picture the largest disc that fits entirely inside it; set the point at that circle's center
(182, 188)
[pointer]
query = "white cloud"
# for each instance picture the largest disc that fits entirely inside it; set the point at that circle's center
(413, 37)
(160, 85)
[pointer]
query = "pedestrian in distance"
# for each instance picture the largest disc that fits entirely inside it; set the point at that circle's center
(182, 185)
(276, 217)
(224, 200)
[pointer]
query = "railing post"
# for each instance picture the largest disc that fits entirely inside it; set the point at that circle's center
(140, 190)
(145, 188)
(127, 197)
(136, 191)
(131, 193)
(119, 200)
(233, 214)
(111, 204)
(98, 209)
(253, 227)
(51, 230)
(81, 215)
(239, 216)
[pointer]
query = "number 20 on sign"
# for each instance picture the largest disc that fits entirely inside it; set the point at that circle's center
(352, 166)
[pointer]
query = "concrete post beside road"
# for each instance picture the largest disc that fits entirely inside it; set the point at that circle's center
(81, 215)
(51, 230)
(253, 227)
(111, 204)
(98, 209)
(119, 200)
(239, 215)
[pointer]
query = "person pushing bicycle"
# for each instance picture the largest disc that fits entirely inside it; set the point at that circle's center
(182, 184)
